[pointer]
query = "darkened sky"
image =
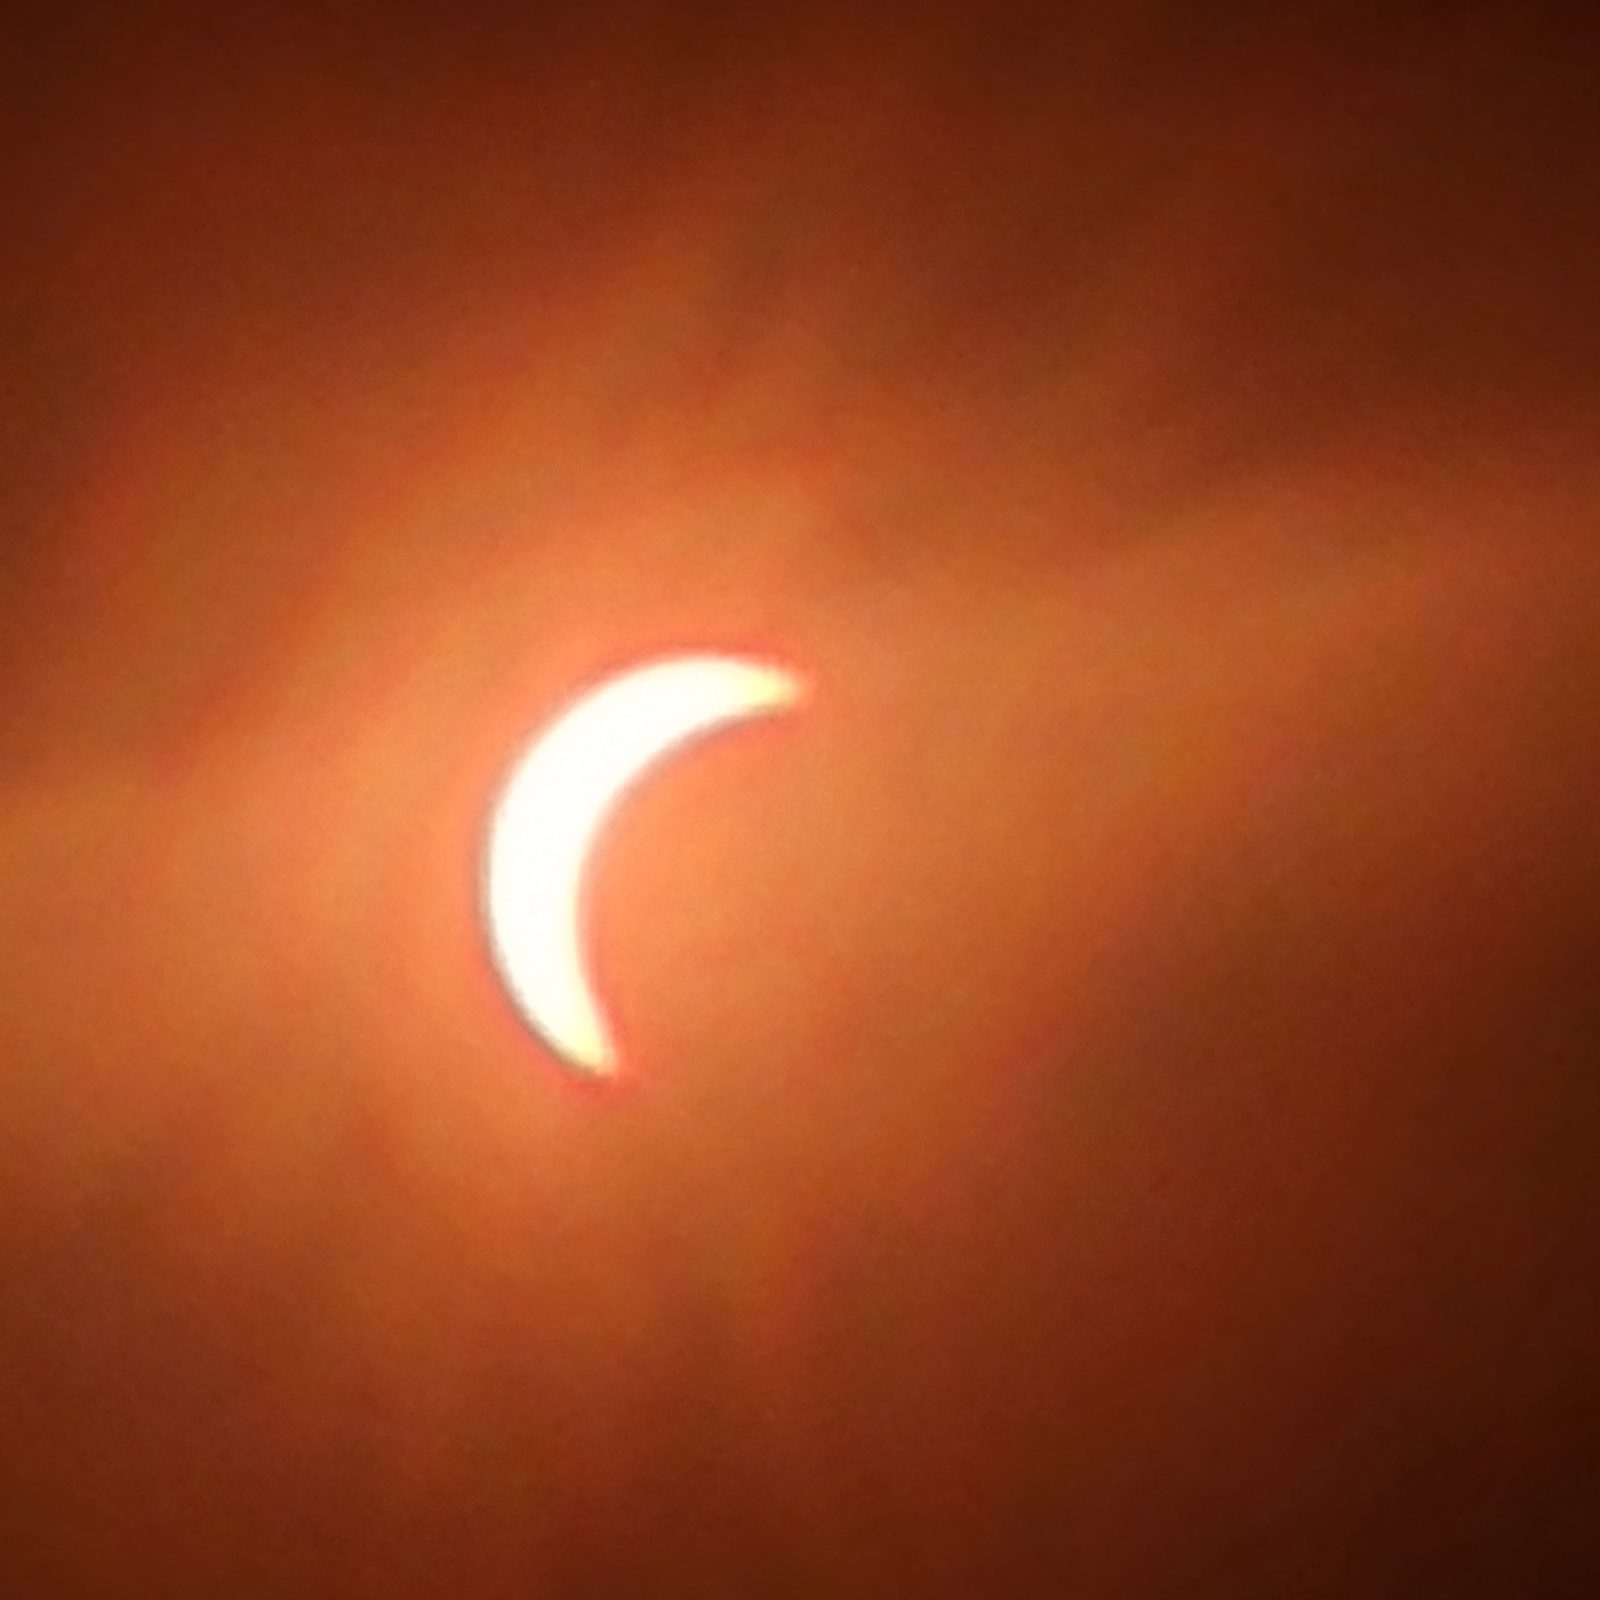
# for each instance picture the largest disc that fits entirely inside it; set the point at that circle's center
(1111, 1096)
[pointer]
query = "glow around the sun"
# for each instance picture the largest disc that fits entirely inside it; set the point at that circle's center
(559, 796)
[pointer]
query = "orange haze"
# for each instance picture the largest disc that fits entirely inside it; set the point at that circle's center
(1112, 1104)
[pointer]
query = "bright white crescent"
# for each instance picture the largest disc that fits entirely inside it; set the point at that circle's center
(557, 799)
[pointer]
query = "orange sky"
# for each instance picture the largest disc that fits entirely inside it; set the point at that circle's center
(1111, 1105)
